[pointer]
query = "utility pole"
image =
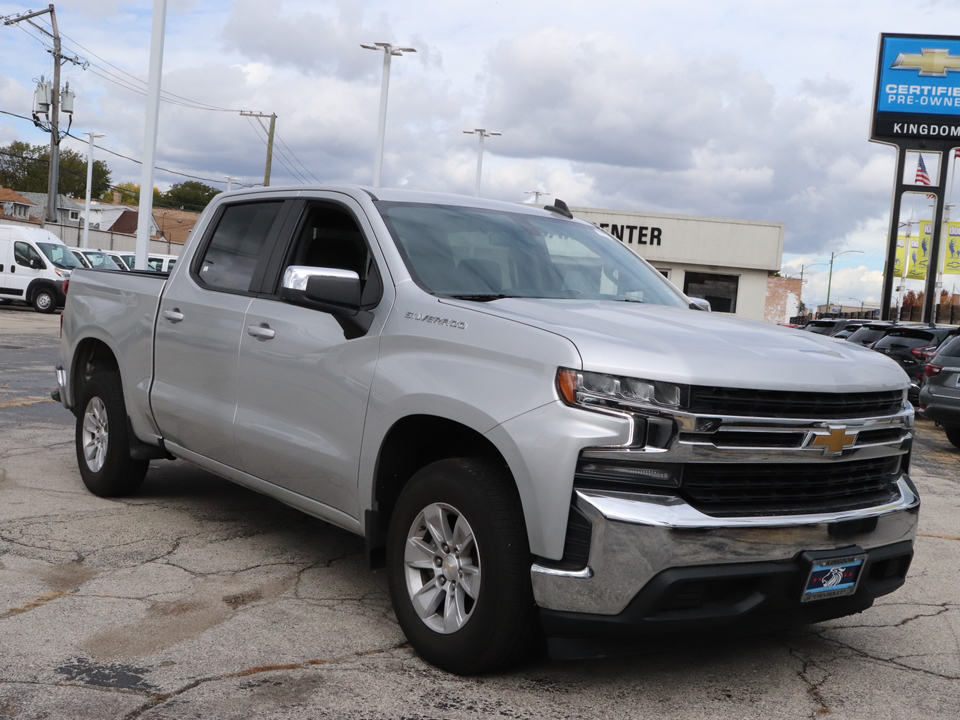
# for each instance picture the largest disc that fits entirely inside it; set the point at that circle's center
(270, 134)
(53, 176)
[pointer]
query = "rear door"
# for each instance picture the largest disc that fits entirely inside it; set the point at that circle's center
(200, 325)
(303, 385)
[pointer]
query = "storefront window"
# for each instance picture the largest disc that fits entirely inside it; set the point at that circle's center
(719, 290)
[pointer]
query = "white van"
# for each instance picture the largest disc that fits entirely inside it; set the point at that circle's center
(33, 265)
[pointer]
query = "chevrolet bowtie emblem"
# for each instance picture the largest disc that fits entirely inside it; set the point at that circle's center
(930, 63)
(837, 441)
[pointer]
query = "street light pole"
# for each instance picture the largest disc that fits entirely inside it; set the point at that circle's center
(802, 268)
(830, 278)
(388, 52)
(86, 216)
(536, 195)
(483, 134)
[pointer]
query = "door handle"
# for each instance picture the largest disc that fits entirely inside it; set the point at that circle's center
(173, 316)
(261, 332)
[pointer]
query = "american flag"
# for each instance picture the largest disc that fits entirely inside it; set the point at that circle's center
(922, 177)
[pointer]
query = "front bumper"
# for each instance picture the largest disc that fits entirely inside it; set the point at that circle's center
(747, 572)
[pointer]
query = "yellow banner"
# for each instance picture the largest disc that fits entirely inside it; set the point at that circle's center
(917, 248)
(901, 256)
(951, 253)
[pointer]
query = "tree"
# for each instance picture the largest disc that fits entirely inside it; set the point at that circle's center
(129, 193)
(26, 167)
(187, 195)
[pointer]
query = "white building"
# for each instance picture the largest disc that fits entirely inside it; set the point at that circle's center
(724, 261)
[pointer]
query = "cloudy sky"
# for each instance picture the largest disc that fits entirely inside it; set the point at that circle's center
(753, 109)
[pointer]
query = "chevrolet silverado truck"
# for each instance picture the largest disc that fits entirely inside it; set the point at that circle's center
(536, 433)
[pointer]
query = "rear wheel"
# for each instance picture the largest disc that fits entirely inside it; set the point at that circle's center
(44, 301)
(103, 443)
(953, 435)
(458, 566)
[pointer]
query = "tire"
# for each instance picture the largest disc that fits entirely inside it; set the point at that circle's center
(953, 435)
(44, 301)
(464, 602)
(103, 444)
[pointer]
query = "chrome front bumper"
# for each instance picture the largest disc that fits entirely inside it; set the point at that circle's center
(634, 537)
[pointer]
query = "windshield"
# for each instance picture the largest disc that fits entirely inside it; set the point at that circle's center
(867, 335)
(102, 261)
(907, 340)
(59, 255)
(479, 254)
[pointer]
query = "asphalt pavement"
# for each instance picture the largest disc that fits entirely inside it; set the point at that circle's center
(200, 599)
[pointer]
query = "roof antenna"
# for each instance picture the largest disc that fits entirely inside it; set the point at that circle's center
(559, 207)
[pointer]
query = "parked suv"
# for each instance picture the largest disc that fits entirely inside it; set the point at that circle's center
(913, 347)
(830, 326)
(868, 333)
(940, 394)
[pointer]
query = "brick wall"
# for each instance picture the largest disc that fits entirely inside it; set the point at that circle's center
(783, 299)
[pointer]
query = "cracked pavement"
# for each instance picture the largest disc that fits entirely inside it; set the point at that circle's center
(199, 598)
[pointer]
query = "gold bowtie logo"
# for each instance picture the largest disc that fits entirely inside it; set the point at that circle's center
(837, 441)
(929, 63)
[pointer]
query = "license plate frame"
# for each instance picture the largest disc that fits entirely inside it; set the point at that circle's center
(832, 577)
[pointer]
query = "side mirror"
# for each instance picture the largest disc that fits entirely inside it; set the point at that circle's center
(329, 290)
(699, 304)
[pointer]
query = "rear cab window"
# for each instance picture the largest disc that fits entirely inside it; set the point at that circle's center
(230, 259)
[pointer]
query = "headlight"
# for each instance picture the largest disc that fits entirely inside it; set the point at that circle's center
(62, 273)
(597, 390)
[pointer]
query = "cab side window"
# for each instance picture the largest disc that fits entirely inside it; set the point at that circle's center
(231, 258)
(26, 256)
(329, 237)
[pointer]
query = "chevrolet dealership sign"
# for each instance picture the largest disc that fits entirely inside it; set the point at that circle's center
(917, 94)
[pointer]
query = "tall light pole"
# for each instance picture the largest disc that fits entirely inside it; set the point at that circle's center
(86, 216)
(388, 51)
(483, 134)
(150, 129)
(830, 279)
(536, 195)
(802, 268)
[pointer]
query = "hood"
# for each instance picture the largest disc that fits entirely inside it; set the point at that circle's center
(701, 348)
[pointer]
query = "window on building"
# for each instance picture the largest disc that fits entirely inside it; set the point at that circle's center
(719, 290)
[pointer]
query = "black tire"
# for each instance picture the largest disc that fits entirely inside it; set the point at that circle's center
(103, 443)
(44, 301)
(497, 624)
(953, 435)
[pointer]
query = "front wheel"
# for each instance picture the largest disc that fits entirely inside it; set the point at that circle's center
(458, 567)
(953, 435)
(103, 443)
(44, 301)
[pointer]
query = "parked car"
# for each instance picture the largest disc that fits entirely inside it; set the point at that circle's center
(868, 333)
(912, 347)
(96, 260)
(156, 263)
(830, 326)
(34, 264)
(940, 395)
(848, 330)
(534, 431)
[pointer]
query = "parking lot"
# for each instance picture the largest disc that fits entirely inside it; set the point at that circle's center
(199, 598)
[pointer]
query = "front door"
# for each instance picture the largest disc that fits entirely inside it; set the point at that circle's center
(303, 387)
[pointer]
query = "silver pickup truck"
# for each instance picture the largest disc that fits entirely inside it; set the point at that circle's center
(535, 432)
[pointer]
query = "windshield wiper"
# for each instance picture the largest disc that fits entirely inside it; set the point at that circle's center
(482, 297)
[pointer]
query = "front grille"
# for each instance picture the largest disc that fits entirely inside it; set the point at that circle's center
(783, 404)
(740, 489)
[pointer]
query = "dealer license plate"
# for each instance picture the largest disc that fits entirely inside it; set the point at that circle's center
(833, 577)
